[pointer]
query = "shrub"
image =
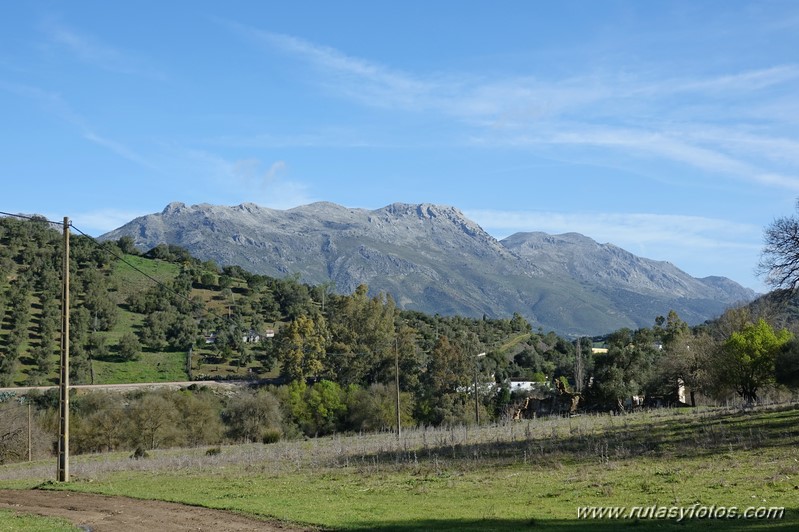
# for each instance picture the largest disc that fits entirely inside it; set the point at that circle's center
(271, 436)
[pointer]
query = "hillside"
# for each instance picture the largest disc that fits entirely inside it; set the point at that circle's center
(433, 259)
(167, 316)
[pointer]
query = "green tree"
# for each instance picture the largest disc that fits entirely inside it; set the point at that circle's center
(625, 370)
(249, 415)
(450, 371)
(129, 347)
(182, 331)
(127, 245)
(685, 356)
(154, 330)
(208, 279)
(292, 400)
(375, 408)
(99, 422)
(449, 368)
(363, 338)
(787, 364)
(80, 365)
(44, 356)
(198, 417)
(151, 421)
(301, 345)
(96, 347)
(746, 362)
(327, 407)
(102, 309)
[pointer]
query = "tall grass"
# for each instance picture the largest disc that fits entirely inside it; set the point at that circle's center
(601, 438)
(495, 477)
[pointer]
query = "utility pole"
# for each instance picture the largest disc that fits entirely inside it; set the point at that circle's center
(30, 452)
(579, 368)
(63, 437)
(476, 392)
(396, 376)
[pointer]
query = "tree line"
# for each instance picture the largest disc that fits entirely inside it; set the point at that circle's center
(336, 355)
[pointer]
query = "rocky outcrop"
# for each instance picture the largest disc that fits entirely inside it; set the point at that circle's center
(434, 259)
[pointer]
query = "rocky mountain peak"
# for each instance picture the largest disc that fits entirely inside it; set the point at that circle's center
(432, 258)
(173, 208)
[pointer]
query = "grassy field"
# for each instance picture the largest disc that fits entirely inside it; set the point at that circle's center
(148, 367)
(9, 522)
(532, 474)
(129, 278)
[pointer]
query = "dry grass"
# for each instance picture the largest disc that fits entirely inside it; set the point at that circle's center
(598, 438)
(499, 477)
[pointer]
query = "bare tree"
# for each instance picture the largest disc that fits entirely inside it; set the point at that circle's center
(779, 261)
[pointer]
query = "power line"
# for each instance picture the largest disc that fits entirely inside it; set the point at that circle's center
(34, 218)
(107, 249)
(121, 258)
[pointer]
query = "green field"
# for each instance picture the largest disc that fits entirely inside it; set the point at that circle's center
(149, 367)
(530, 475)
(9, 521)
(135, 274)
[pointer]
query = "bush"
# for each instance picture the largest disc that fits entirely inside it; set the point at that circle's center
(139, 453)
(271, 436)
(249, 415)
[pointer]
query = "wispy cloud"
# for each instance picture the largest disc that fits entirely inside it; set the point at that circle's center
(53, 103)
(529, 112)
(101, 221)
(121, 150)
(91, 50)
(368, 82)
(322, 137)
(712, 156)
(248, 180)
(746, 81)
(627, 229)
(49, 101)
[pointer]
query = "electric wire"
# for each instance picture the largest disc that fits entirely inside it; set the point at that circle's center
(34, 218)
(165, 286)
(118, 257)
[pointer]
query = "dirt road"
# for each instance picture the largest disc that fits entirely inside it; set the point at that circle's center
(100, 513)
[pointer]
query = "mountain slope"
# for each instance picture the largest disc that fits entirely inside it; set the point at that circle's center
(631, 282)
(432, 258)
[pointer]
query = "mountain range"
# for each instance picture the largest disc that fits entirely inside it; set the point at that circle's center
(433, 259)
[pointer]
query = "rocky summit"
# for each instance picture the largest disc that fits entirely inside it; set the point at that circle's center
(433, 259)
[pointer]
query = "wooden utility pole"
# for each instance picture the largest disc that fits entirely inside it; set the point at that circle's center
(476, 391)
(396, 376)
(579, 368)
(30, 452)
(63, 438)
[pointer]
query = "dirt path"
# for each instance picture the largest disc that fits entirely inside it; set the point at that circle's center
(101, 513)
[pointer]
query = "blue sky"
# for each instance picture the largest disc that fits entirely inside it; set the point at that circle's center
(670, 129)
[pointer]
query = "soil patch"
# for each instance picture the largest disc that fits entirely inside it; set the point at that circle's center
(102, 513)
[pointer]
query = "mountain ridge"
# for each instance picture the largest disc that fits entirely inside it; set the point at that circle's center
(434, 259)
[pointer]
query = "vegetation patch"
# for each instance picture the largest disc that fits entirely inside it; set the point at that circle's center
(517, 475)
(13, 521)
